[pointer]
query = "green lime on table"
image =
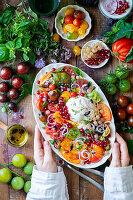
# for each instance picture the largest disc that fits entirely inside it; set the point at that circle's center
(5, 175)
(28, 168)
(27, 186)
(111, 78)
(124, 85)
(111, 89)
(19, 160)
(121, 72)
(17, 183)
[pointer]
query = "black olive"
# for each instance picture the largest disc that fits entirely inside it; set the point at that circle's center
(87, 113)
(21, 131)
(87, 86)
(55, 127)
(71, 148)
(91, 101)
(14, 131)
(12, 138)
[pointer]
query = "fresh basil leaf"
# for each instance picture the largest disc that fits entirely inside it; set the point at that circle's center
(11, 54)
(60, 69)
(4, 53)
(52, 141)
(44, 104)
(32, 57)
(18, 43)
(10, 45)
(25, 57)
(44, 123)
(130, 146)
(6, 15)
(79, 72)
(129, 55)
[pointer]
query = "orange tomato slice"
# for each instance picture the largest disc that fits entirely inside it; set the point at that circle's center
(105, 112)
(45, 77)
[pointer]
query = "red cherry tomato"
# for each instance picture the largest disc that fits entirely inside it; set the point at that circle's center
(52, 107)
(52, 86)
(130, 121)
(78, 14)
(77, 22)
(73, 94)
(130, 109)
(69, 19)
(45, 93)
(121, 114)
(122, 101)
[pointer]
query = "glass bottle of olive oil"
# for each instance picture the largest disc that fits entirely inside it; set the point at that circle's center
(16, 135)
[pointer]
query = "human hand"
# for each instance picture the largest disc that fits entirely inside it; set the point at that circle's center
(43, 154)
(120, 156)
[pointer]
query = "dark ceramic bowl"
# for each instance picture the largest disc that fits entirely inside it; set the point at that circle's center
(44, 7)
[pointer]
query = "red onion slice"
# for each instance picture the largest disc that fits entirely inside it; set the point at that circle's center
(110, 5)
(63, 129)
(52, 124)
(85, 151)
(100, 128)
(107, 122)
(82, 88)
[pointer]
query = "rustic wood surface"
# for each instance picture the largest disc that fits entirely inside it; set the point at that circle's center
(78, 188)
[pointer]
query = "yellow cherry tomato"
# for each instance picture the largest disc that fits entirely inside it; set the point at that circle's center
(56, 37)
(76, 50)
(64, 28)
(70, 28)
(69, 11)
(84, 24)
(81, 32)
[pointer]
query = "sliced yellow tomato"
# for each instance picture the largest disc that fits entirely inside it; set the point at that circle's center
(66, 95)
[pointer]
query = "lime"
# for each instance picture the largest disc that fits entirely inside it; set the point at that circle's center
(19, 160)
(17, 183)
(27, 186)
(5, 175)
(28, 168)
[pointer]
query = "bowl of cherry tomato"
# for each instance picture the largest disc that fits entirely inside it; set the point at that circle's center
(73, 23)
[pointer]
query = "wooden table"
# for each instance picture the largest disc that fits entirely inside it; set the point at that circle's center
(78, 188)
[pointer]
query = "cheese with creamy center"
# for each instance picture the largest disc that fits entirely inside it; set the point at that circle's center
(80, 109)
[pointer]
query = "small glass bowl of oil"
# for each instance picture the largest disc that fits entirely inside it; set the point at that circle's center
(16, 135)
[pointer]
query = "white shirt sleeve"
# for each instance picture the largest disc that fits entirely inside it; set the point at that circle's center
(118, 183)
(48, 186)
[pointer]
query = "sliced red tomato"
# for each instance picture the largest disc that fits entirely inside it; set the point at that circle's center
(81, 82)
(105, 112)
(52, 107)
(69, 70)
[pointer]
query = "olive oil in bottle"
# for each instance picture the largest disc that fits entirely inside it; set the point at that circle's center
(16, 135)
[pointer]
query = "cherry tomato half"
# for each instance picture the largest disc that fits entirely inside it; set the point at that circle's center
(73, 94)
(52, 86)
(77, 22)
(69, 19)
(121, 114)
(130, 109)
(78, 14)
(130, 121)
(122, 101)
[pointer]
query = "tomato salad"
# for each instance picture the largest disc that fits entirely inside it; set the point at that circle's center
(73, 115)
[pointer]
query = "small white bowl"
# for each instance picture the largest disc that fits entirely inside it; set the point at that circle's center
(62, 13)
(90, 43)
(115, 16)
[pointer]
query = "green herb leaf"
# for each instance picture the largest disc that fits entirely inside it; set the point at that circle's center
(79, 72)
(86, 121)
(44, 123)
(75, 111)
(52, 141)
(60, 69)
(129, 55)
(44, 104)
